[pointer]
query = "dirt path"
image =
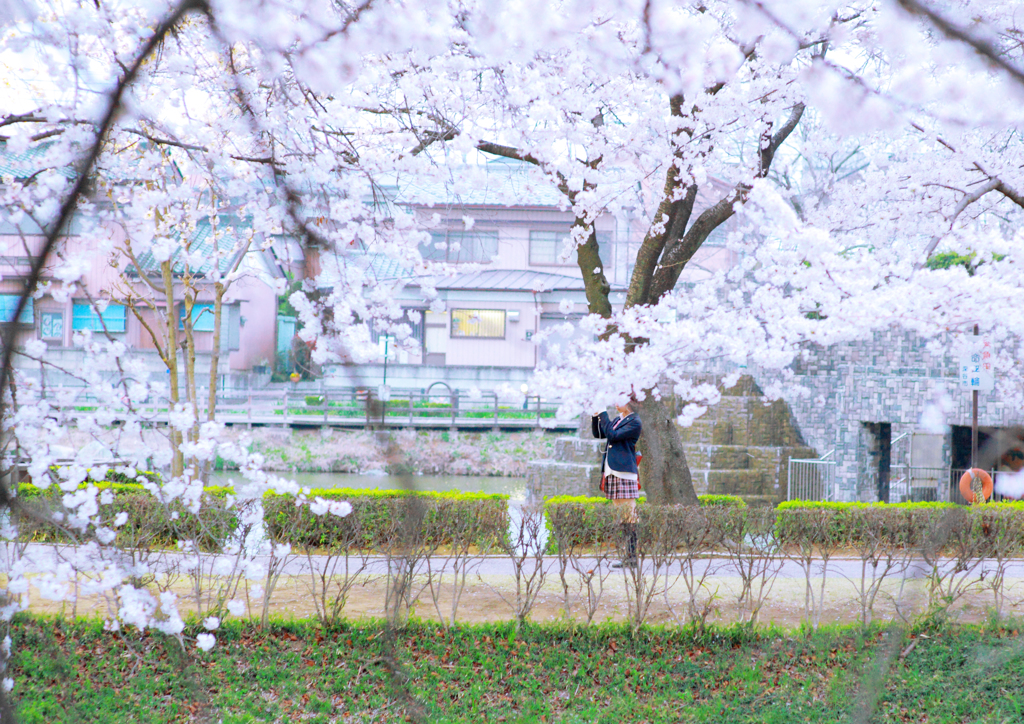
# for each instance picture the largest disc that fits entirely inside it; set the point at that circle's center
(489, 594)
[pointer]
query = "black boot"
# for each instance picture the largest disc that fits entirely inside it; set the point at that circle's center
(629, 538)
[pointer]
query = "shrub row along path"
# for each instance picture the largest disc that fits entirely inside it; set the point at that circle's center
(491, 584)
(42, 557)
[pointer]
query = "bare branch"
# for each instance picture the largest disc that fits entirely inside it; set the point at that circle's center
(981, 46)
(677, 255)
(21, 118)
(190, 147)
(967, 200)
(497, 149)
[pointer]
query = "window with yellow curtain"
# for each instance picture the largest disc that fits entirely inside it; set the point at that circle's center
(485, 323)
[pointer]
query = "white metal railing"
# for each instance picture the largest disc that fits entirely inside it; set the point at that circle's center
(912, 484)
(954, 486)
(812, 479)
(353, 407)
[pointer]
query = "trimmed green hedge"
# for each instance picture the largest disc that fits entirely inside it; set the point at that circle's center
(729, 501)
(379, 519)
(150, 523)
(581, 520)
(383, 519)
(899, 525)
(943, 527)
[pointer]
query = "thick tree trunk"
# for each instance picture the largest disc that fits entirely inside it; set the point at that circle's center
(664, 473)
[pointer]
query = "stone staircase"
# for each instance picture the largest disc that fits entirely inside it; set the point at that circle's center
(576, 470)
(741, 446)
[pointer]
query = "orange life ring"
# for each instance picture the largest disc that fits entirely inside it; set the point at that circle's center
(965, 484)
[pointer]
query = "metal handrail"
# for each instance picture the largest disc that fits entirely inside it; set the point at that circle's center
(291, 407)
(812, 478)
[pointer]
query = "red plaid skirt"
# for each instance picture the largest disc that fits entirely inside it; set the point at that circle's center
(619, 489)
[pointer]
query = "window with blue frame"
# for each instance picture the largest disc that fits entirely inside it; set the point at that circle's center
(9, 305)
(84, 316)
(202, 317)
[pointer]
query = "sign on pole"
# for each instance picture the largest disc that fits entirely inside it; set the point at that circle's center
(976, 371)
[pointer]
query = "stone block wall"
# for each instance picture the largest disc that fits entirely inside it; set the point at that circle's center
(575, 470)
(890, 378)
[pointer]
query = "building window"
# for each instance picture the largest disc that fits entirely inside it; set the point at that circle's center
(461, 246)
(485, 323)
(412, 317)
(84, 316)
(51, 325)
(202, 317)
(545, 246)
(9, 304)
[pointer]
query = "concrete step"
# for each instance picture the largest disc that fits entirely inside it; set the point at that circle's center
(545, 478)
(739, 482)
(741, 457)
(730, 457)
(575, 450)
(699, 432)
(761, 501)
(744, 420)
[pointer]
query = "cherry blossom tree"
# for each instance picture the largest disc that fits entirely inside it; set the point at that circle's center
(693, 116)
(648, 111)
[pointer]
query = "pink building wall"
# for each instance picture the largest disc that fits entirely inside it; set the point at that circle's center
(101, 279)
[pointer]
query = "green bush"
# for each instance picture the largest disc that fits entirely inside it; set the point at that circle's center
(899, 525)
(382, 519)
(581, 520)
(150, 524)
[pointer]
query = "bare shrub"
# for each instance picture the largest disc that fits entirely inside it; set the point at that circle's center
(952, 547)
(696, 537)
(883, 541)
(463, 530)
(581, 534)
(524, 548)
(337, 550)
(811, 536)
(403, 545)
(754, 552)
(657, 538)
(215, 576)
(1003, 528)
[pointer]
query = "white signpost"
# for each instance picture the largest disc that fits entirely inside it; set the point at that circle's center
(976, 375)
(976, 365)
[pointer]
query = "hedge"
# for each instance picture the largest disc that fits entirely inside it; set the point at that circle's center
(900, 525)
(379, 518)
(584, 521)
(386, 519)
(382, 519)
(150, 524)
(581, 520)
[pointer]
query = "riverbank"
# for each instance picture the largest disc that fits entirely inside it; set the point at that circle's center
(398, 452)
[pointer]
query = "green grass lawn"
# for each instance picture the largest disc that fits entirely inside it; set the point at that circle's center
(76, 672)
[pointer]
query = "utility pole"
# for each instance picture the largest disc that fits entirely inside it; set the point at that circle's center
(384, 397)
(974, 421)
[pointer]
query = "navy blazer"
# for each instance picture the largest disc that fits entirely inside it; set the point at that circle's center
(621, 453)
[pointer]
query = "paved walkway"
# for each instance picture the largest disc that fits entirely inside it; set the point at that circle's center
(42, 558)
